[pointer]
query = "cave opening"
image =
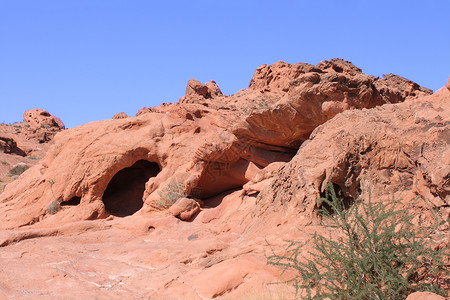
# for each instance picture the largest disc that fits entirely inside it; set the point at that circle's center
(123, 195)
(74, 201)
(346, 201)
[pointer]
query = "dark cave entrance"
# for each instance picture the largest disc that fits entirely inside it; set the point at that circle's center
(123, 195)
(74, 201)
(346, 201)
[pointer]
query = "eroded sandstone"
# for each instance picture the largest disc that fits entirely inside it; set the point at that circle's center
(246, 169)
(207, 142)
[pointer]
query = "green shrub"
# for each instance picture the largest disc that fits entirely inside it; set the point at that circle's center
(2, 186)
(34, 157)
(53, 207)
(170, 194)
(18, 169)
(377, 254)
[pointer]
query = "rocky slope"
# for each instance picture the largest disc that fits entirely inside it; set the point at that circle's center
(247, 167)
(23, 144)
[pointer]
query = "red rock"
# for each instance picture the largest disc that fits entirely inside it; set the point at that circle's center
(197, 92)
(195, 87)
(38, 118)
(143, 110)
(9, 146)
(223, 151)
(278, 76)
(227, 275)
(213, 89)
(257, 159)
(120, 115)
(424, 296)
(448, 83)
(26, 142)
(390, 149)
(340, 66)
(184, 208)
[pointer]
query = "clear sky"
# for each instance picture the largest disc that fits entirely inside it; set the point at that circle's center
(85, 60)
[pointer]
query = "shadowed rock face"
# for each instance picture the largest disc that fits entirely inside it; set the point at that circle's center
(123, 195)
(207, 142)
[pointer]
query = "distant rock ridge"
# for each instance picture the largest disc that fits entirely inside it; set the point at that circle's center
(26, 142)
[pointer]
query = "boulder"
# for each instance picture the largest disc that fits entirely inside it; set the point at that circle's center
(213, 89)
(120, 115)
(195, 87)
(41, 125)
(424, 296)
(38, 118)
(184, 208)
(143, 110)
(9, 146)
(340, 66)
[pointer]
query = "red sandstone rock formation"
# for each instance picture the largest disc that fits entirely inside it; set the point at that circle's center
(26, 142)
(257, 159)
(390, 149)
(120, 115)
(208, 142)
(38, 127)
(424, 296)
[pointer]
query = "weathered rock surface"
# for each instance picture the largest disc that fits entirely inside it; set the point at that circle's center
(26, 142)
(424, 296)
(257, 160)
(390, 149)
(120, 115)
(184, 208)
(208, 142)
(42, 124)
(30, 136)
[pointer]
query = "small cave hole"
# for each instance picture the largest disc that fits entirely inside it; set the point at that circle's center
(347, 201)
(123, 195)
(74, 201)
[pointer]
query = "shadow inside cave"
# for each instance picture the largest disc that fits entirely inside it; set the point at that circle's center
(123, 195)
(346, 201)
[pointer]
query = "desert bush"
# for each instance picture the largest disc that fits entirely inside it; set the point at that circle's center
(2, 186)
(53, 207)
(376, 253)
(170, 194)
(34, 157)
(18, 169)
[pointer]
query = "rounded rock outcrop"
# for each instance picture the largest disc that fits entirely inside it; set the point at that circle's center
(208, 143)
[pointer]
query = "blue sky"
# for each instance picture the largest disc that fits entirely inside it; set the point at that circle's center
(85, 60)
